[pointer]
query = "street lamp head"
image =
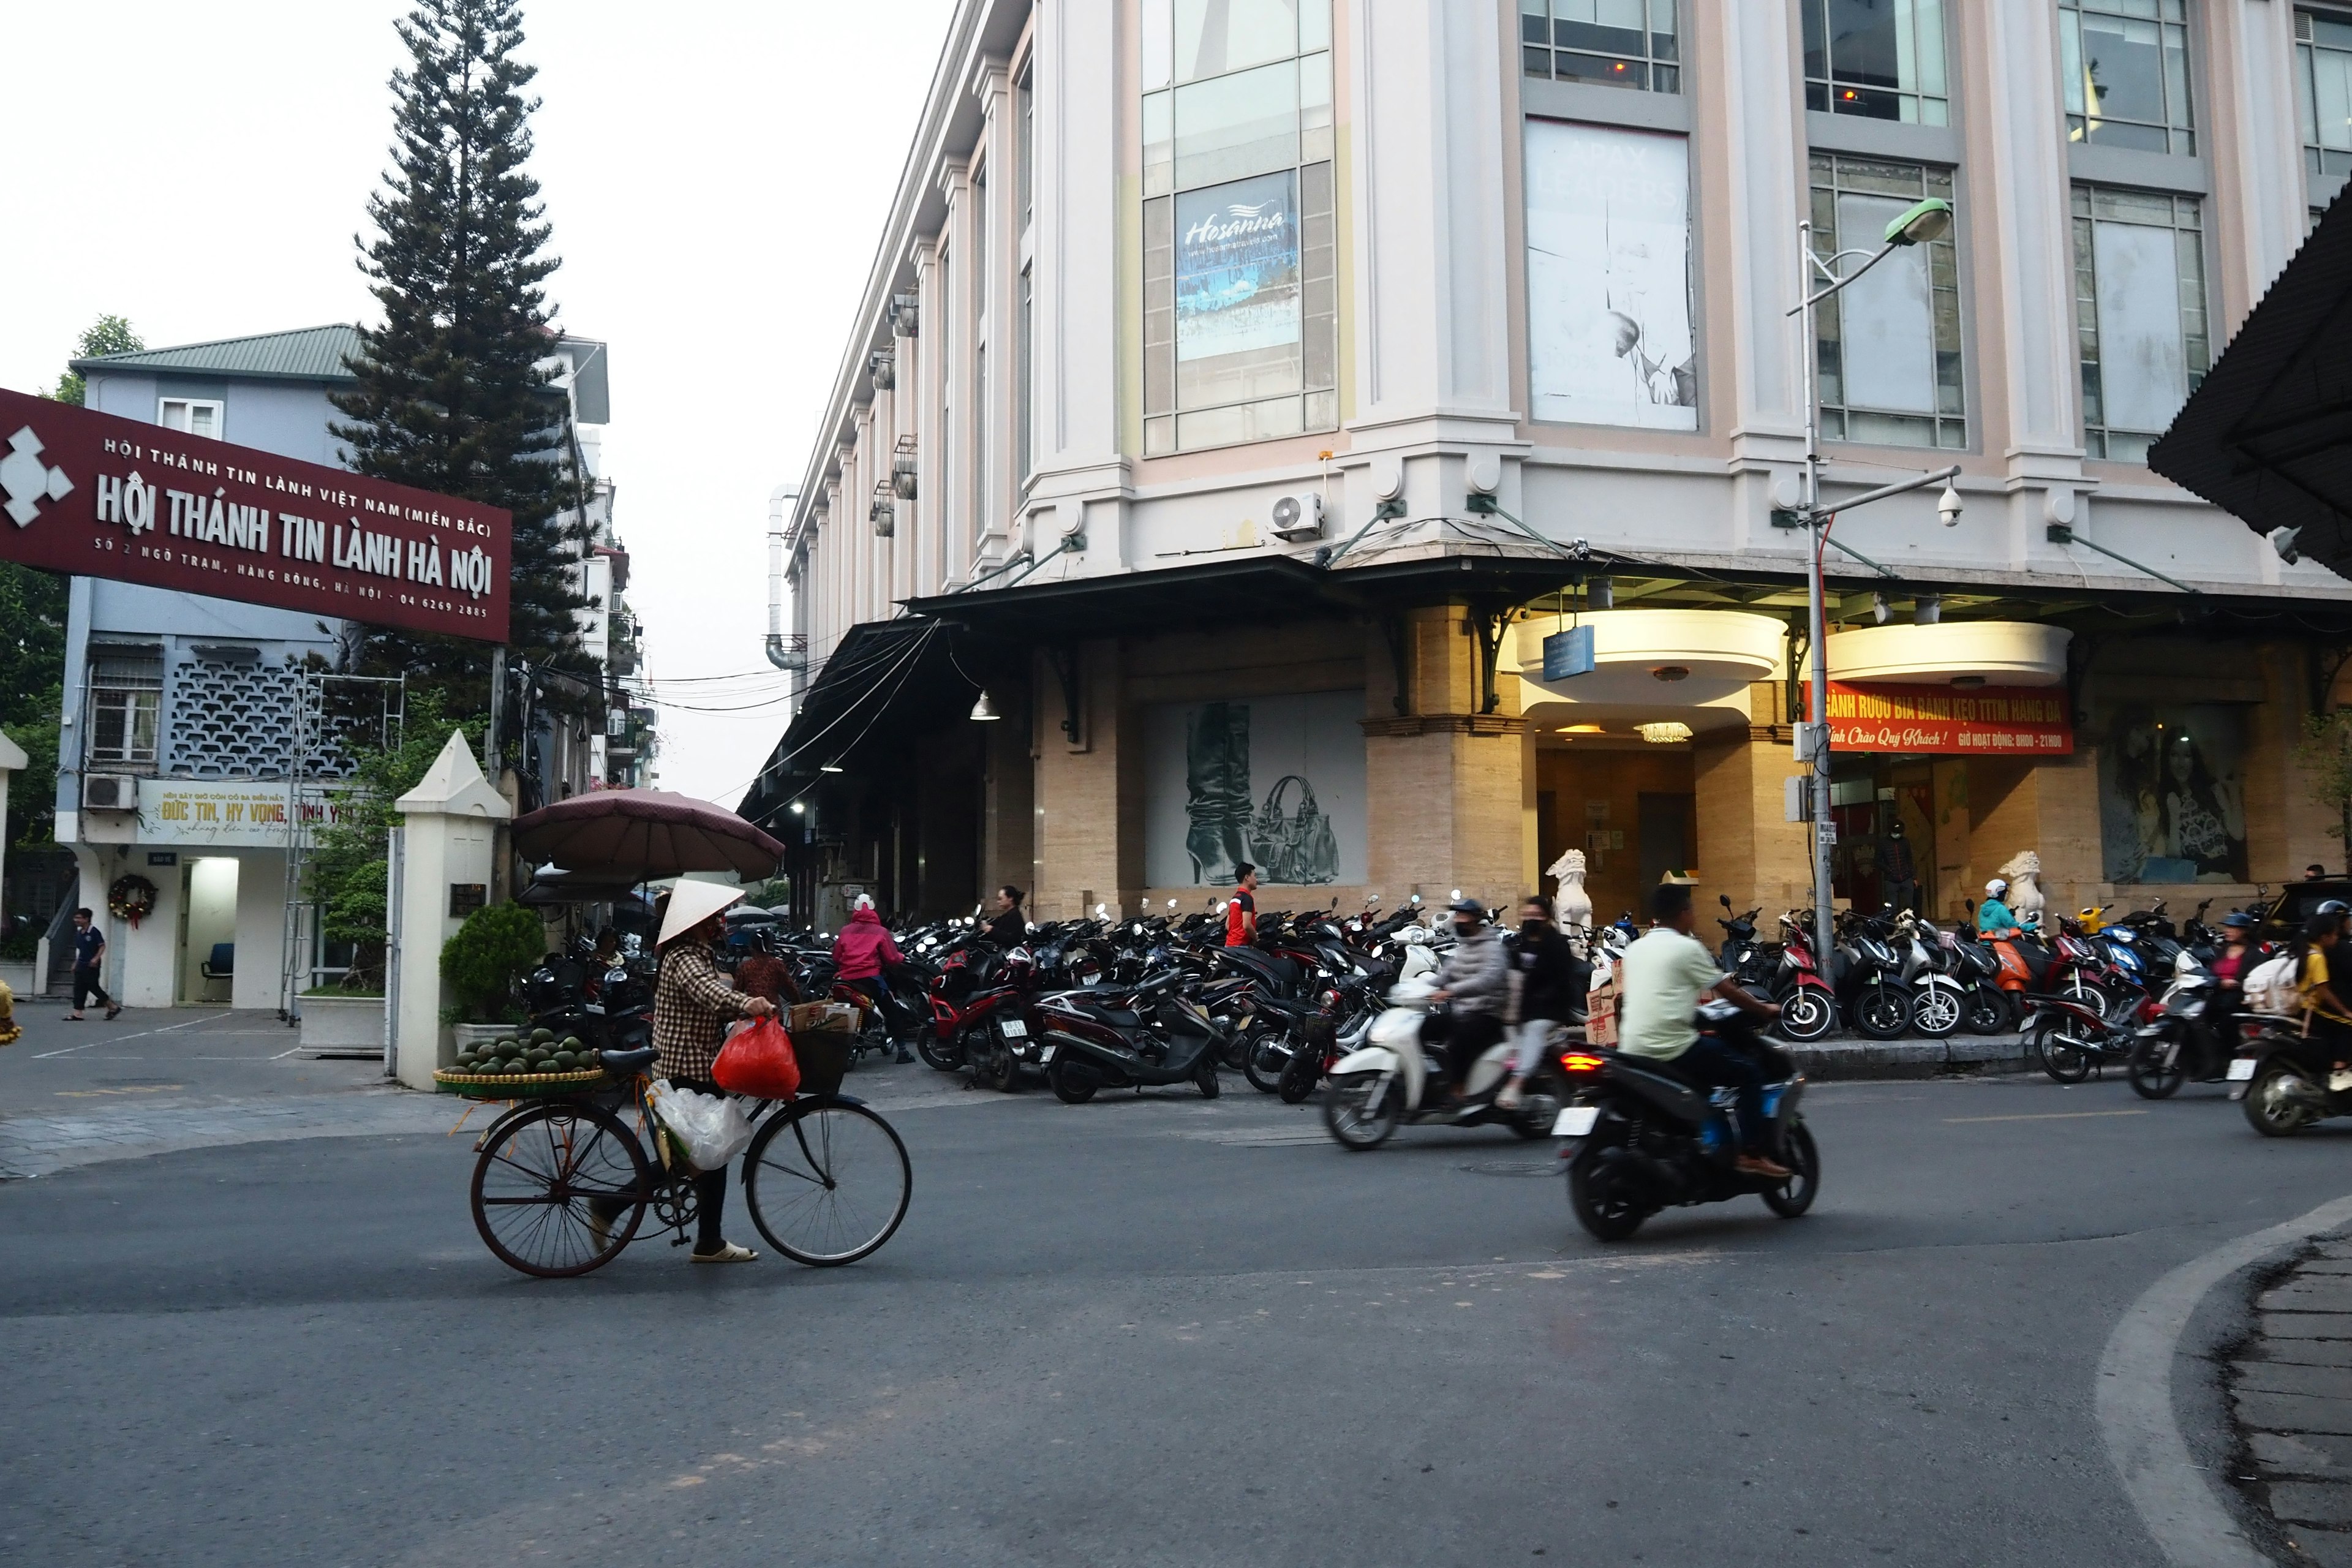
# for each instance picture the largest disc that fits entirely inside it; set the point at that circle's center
(1948, 506)
(1919, 222)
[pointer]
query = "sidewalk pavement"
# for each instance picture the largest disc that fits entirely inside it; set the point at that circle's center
(2292, 1390)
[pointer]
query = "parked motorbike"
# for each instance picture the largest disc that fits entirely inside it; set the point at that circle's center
(1870, 987)
(1148, 1037)
(1392, 1078)
(1939, 1003)
(1638, 1138)
(2178, 1045)
(1808, 1008)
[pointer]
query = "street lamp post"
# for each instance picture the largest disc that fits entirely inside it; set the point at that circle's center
(1922, 222)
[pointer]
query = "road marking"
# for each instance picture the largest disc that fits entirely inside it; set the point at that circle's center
(2133, 1397)
(69, 1050)
(135, 1089)
(2047, 1116)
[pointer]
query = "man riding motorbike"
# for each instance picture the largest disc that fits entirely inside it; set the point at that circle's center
(860, 954)
(1661, 981)
(1475, 981)
(1994, 917)
(1551, 982)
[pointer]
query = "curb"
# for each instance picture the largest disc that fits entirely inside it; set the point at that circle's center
(1961, 1056)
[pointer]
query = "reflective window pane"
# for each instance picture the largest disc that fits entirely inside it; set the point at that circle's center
(2125, 64)
(1618, 43)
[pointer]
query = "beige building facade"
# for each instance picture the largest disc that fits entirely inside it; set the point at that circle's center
(1250, 395)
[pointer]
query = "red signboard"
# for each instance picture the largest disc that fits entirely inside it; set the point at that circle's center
(105, 496)
(1991, 721)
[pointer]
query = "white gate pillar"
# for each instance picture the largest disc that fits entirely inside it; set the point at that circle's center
(448, 841)
(12, 760)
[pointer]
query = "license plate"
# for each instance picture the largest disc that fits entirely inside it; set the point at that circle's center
(2242, 1070)
(595, 1008)
(1575, 1121)
(1014, 1030)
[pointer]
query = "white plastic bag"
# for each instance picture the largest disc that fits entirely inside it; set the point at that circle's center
(711, 1127)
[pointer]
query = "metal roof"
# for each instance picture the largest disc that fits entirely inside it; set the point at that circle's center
(2268, 436)
(306, 353)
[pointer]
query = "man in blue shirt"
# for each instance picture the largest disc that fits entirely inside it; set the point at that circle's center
(89, 953)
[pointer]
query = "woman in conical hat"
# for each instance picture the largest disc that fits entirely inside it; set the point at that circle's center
(693, 1005)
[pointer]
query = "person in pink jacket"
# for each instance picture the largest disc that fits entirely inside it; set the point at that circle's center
(861, 953)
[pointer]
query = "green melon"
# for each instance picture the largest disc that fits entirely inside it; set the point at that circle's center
(572, 1043)
(566, 1062)
(542, 1037)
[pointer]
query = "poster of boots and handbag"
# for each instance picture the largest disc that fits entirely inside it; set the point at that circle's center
(1276, 781)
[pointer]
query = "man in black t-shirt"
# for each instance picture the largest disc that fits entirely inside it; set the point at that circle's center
(89, 953)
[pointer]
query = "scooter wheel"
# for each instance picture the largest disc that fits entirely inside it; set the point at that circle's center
(1071, 1081)
(2063, 1055)
(1937, 1012)
(1263, 1059)
(1347, 1117)
(1795, 1196)
(1989, 1011)
(2149, 1078)
(1881, 1012)
(2272, 1107)
(1601, 1203)
(1003, 1070)
(934, 1053)
(1299, 1076)
(1206, 1079)
(1806, 1014)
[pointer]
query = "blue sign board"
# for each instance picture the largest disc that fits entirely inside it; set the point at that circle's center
(1567, 653)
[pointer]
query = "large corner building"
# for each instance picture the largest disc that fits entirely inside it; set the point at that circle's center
(1244, 390)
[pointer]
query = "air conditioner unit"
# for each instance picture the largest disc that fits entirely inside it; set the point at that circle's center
(1298, 517)
(110, 791)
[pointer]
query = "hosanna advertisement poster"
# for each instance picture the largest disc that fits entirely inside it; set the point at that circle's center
(96, 495)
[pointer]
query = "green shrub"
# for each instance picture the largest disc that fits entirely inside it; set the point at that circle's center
(497, 945)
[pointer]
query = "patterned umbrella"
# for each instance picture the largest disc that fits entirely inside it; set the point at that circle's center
(637, 835)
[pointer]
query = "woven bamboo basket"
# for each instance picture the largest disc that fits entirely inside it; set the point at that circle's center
(514, 1084)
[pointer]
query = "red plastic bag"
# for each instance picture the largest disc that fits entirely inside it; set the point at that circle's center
(756, 1061)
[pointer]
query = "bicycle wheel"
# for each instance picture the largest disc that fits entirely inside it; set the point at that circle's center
(538, 1190)
(827, 1182)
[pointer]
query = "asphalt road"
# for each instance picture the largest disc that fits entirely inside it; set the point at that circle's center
(1150, 1329)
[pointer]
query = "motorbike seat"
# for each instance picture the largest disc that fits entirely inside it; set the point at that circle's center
(628, 1061)
(1118, 1017)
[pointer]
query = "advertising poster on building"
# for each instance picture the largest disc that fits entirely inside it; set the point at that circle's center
(2172, 797)
(1928, 720)
(1276, 781)
(1609, 295)
(1237, 268)
(100, 496)
(222, 814)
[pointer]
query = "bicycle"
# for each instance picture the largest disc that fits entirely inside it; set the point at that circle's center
(560, 1184)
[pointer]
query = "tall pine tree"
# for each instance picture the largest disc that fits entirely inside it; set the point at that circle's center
(451, 395)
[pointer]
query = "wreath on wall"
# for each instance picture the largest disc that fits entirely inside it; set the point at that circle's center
(130, 899)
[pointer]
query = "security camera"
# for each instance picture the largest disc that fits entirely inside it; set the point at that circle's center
(1948, 506)
(1880, 609)
(2283, 541)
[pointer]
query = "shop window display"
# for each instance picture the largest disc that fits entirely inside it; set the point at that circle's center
(2172, 804)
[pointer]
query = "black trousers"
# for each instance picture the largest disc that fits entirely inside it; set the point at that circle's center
(709, 1190)
(1471, 1034)
(86, 985)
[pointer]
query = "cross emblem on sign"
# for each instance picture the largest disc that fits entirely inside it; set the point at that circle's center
(27, 480)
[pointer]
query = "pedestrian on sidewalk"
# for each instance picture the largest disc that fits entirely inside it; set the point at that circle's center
(1241, 914)
(89, 953)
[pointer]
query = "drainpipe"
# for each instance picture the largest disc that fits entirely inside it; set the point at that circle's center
(779, 653)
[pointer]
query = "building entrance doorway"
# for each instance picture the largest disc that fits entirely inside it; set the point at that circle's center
(208, 928)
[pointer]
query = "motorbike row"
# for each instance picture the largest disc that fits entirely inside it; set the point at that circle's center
(1344, 1002)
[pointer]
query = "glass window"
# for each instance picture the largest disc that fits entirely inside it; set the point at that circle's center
(1023, 377)
(195, 416)
(126, 705)
(1024, 127)
(1240, 287)
(2125, 64)
(1889, 343)
(1610, 322)
(1880, 58)
(2323, 80)
(1620, 43)
(2139, 314)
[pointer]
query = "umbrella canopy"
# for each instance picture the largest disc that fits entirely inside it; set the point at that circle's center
(635, 834)
(2269, 434)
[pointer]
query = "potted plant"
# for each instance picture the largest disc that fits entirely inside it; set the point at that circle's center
(497, 945)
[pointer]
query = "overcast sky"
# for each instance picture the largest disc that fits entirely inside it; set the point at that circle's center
(717, 174)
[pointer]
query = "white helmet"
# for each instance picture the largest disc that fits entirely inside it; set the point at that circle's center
(1996, 888)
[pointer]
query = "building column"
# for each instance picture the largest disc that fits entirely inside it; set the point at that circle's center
(992, 248)
(2257, 146)
(951, 317)
(1008, 847)
(2050, 805)
(919, 365)
(1089, 786)
(1747, 851)
(2019, 231)
(1445, 802)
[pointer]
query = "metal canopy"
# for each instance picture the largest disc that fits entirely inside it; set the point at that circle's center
(2268, 436)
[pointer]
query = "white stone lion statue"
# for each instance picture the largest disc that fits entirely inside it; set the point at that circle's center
(1572, 907)
(2023, 875)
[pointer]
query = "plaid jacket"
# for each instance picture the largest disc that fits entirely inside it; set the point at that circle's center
(693, 1005)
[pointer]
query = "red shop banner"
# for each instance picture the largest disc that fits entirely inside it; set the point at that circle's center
(1991, 721)
(100, 496)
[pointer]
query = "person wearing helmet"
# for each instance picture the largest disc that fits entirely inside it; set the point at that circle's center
(1475, 981)
(2323, 984)
(1994, 917)
(693, 1005)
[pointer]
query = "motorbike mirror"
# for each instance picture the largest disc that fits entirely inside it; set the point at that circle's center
(1101, 909)
(1416, 900)
(1724, 899)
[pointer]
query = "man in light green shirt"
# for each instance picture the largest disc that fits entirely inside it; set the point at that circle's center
(1661, 982)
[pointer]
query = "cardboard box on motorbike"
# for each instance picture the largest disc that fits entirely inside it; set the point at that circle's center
(812, 1017)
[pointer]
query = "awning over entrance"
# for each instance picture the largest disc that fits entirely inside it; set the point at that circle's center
(906, 669)
(2268, 436)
